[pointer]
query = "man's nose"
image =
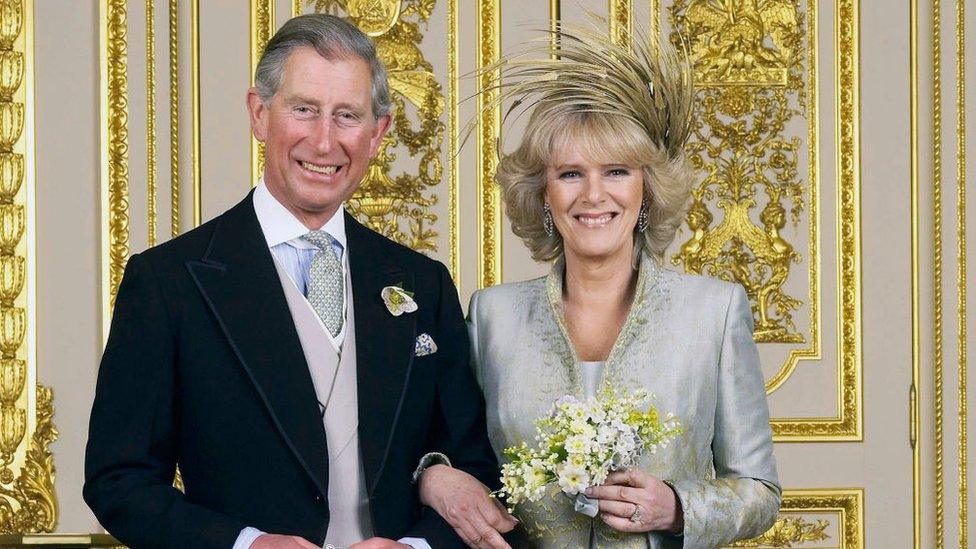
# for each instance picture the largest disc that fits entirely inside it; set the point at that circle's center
(323, 136)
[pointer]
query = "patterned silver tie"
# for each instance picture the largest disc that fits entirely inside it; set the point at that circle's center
(325, 282)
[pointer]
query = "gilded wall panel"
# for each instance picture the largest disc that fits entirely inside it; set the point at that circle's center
(754, 216)
(27, 499)
(404, 186)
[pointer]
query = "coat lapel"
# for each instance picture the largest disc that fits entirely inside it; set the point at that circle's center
(238, 280)
(384, 345)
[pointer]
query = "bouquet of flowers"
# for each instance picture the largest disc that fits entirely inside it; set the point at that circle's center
(580, 442)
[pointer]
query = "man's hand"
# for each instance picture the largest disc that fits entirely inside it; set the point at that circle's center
(379, 543)
(465, 504)
(275, 541)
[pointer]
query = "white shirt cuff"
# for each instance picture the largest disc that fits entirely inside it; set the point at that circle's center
(247, 537)
(416, 543)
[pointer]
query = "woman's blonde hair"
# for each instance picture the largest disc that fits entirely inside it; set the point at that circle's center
(621, 103)
(603, 139)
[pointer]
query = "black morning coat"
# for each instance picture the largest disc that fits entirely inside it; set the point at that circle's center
(203, 368)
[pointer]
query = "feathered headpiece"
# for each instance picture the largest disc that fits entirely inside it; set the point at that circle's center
(579, 69)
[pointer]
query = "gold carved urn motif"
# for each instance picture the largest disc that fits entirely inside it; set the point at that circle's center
(748, 60)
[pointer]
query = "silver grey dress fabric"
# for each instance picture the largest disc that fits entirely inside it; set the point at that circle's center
(688, 340)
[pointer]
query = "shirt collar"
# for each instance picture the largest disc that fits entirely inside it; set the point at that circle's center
(280, 226)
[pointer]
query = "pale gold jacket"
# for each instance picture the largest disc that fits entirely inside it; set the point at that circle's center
(688, 340)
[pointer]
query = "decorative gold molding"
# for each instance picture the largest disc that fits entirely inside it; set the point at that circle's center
(913, 400)
(961, 257)
(262, 28)
(115, 152)
(174, 119)
(847, 424)
(489, 130)
(151, 120)
(195, 108)
(621, 20)
(846, 503)
(101, 541)
(555, 19)
(453, 52)
(26, 430)
(938, 298)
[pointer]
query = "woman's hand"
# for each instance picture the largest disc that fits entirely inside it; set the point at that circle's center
(632, 501)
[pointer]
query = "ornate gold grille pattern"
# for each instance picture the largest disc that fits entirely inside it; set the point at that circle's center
(27, 500)
(398, 205)
(749, 64)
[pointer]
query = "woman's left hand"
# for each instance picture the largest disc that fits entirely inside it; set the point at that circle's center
(633, 501)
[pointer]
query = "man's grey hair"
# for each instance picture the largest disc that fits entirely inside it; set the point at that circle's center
(331, 37)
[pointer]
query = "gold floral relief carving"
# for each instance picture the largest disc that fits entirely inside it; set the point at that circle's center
(27, 499)
(846, 505)
(749, 58)
(397, 205)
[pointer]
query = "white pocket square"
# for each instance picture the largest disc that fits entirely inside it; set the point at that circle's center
(424, 346)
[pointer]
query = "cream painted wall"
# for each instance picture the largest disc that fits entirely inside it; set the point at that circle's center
(67, 160)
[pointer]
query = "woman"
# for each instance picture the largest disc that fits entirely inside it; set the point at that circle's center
(598, 185)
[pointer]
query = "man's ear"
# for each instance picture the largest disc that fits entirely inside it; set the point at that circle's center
(258, 113)
(379, 131)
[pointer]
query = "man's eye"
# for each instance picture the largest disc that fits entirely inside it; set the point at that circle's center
(303, 110)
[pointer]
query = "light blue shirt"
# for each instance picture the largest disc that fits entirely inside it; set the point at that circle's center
(283, 232)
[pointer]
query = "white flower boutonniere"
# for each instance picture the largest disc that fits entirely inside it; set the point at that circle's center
(398, 300)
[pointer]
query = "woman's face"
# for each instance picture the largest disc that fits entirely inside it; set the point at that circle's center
(594, 204)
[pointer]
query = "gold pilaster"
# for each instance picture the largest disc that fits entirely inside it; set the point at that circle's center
(621, 20)
(26, 430)
(961, 256)
(914, 409)
(151, 119)
(174, 119)
(115, 153)
(489, 198)
(262, 28)
(195, 107)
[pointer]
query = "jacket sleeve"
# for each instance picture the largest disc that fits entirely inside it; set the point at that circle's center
(458, 420)
(131, 454)
(743, 499)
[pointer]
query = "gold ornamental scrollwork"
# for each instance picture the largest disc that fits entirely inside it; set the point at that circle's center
(27, 498)
(749, 64)
(398, 205)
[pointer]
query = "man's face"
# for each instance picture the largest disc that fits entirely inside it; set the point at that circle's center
(319, 133)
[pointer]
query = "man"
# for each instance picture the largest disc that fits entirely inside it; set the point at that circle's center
(302, 371)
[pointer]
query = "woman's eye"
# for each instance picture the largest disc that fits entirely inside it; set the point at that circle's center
(571, 174)
(619, 172)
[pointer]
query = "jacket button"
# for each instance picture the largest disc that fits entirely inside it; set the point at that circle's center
(319, 498)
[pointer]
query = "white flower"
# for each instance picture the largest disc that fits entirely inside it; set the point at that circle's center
(578, 444)
(573, 480)
(535, 475)
(605, 435)
(398, 300)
